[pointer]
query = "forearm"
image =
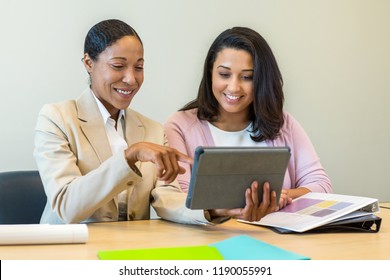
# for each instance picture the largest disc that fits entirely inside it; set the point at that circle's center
(76, 198)
(169, 203)
(294, 193)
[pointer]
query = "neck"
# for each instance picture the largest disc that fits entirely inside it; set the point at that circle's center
(231, 122)
(114, 115)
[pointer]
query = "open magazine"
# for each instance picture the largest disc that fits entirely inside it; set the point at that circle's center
(316, 211)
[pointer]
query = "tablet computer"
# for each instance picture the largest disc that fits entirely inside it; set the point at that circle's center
(220, 175)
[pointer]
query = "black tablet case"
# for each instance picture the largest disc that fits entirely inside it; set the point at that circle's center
(220, 175)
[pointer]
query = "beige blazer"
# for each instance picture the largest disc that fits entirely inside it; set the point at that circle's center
(82, 178)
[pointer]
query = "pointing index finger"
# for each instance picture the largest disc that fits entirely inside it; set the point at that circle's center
(184, 158)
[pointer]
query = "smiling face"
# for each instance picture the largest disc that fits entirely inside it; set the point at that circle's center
(117, 74)
(232, 83)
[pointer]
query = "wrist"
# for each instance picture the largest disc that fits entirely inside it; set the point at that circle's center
(131, 162)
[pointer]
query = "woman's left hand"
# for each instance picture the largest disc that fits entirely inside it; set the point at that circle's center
(253, 211)
(285, 199)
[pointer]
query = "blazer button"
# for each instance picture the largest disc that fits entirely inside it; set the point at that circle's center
(130, 183)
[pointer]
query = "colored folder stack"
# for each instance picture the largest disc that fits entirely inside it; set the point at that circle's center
(242, 247)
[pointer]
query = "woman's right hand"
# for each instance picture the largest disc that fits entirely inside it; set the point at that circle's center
(165, 158)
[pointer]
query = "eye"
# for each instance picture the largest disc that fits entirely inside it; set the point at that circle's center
(224, 75)
(139, 68)
(117, 66)
(247, 77)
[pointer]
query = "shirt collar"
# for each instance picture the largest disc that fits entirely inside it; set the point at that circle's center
(105, 114)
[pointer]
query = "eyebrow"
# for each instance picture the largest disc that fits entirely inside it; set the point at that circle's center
(228, 68)
(123, 58)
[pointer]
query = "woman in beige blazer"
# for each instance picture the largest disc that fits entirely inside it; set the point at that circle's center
(100, 160)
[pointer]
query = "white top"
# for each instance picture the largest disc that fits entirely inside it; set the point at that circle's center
(117, 144)
(240, 138)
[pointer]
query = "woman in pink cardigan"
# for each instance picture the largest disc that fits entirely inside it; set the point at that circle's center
(240, 103)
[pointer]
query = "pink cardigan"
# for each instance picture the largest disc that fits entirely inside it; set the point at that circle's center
(185, 132)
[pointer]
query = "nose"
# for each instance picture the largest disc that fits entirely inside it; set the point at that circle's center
(129, 77)
(234, 85)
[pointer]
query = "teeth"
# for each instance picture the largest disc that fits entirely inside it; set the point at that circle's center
(232, 97)
(123, 91)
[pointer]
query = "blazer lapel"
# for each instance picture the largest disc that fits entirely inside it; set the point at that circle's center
(93, 126)
(134, 128)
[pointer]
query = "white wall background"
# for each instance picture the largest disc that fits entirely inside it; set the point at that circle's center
(334, 56)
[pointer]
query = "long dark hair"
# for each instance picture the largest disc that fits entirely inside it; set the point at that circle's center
(266, 112)
(104, 34)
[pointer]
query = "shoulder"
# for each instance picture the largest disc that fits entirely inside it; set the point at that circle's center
(64, 108)
(72, 106)
(56, 117)
(288, 129)
(289, 122)
(291, 131)
(71, 111)
(142, 119)
(183, 118)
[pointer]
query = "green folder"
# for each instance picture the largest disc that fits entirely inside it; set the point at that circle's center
(172, 253)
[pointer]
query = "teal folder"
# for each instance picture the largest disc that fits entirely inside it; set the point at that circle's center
(244, 247)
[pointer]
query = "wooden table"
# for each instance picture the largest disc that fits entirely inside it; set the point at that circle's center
(159, 233)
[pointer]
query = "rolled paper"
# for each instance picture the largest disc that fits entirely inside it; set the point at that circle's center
(43, 234)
